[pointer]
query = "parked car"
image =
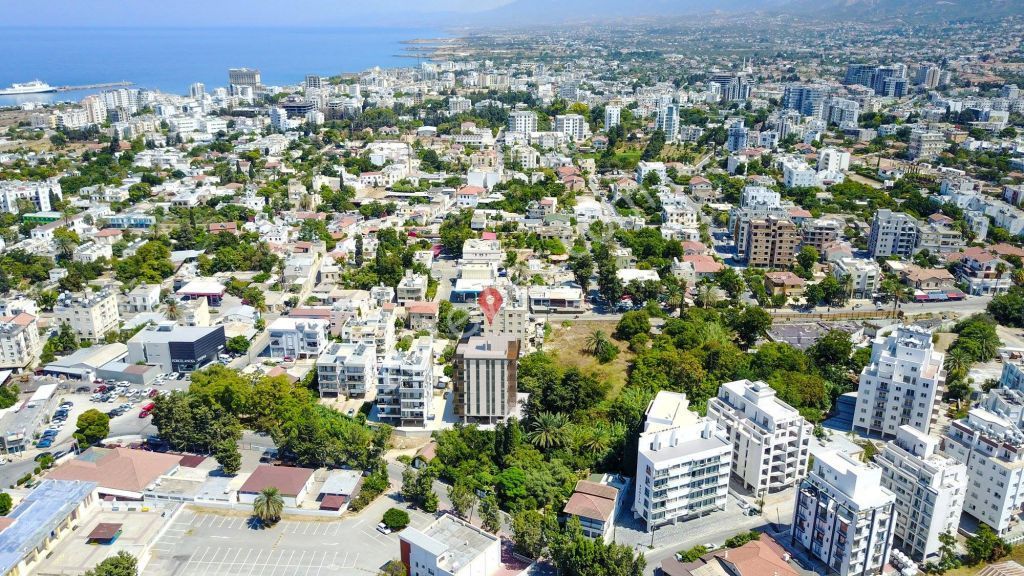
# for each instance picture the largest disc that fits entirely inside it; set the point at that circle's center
(82, 389)
(383, 528)
(148, 406)
(144, 414)
(101, 388)
(153, 393)
(42, 455)
(44, 443)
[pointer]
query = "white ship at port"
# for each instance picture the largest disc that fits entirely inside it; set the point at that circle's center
(33, 87)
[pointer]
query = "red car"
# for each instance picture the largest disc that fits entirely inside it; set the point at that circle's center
(144, 414)
(101, 388)
(148, 406)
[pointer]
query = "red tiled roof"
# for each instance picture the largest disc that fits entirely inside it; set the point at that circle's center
(289, 481)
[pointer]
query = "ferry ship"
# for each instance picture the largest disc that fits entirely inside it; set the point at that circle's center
(33, 87)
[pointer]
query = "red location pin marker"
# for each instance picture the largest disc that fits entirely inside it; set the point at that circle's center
(490, 301)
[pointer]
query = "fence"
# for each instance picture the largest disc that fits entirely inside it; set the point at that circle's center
(779, 316)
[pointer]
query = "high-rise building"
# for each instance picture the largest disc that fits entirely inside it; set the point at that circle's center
(808, 99)
(820, 231)
(843, 112)
(522, 121)
(901, 383)
(733, 87)
(892, 234)
(91, 315)
(736, 137)
(197, 90)
(925, 144)
(889, 81)
(484, 381)
(244, 77)
(929, 490)
(771, 242)
(572, 125)
(991, 443)
(405, 384)
(279, 118)
(683, 463)
(668, 121)
(612, 116)
(770, 440)
(833, 160)
(927, 76)
(348, 369)
(843, 517)
(313, 82)
(862, 74)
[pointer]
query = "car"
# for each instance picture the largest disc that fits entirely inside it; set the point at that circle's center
(709, 546)
(351, 412)
(144, 414)
(44, 443)
(287, 358)
(125, 406)
(148, 406)
(67, 404)
(111, 400)
(82, 389)
(383, 528)
(101, 388)
(153, 393)
(42, 455)
(50, 432)
(113, 414)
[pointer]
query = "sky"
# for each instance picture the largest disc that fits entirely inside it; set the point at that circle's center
(217, 13)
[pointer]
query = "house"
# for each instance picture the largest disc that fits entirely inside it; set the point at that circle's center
(218, 227)
(762, 557)
(927, 278)
(119, 473)
(785, 283)
(594, 505)
(293, 483)
(422, 315)
(469, 196)
(339, 489)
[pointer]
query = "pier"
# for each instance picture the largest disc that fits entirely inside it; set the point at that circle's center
(121, 84)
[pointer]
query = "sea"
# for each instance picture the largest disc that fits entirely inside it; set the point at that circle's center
(170, 59)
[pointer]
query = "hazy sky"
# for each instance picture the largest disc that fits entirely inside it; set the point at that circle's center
(232, 12)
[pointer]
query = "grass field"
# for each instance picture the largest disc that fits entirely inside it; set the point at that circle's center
(568, 344)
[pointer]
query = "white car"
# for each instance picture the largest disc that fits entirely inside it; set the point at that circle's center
(383, 528)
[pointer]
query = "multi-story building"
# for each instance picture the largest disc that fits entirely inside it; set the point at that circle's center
(612, 117)
(797, 173)
(865, 275)
(244, 77)
(925, 145)
(737, 137)
(809, 100)
(91, 315)
(574, 126)
(19, 340)
(770, 440)
(938, 239)
(862, 74)
(1013, 373)
(450, 547)
(843, 112)
(405, 385)
(176, 348)
(668, 121)
(484, 381)
(833, 160)
(644, 168)
(522, 121)
(819, 232)
(20, 196)
(901, 383)
(411, 288)
(683, 463)
(892, 234)
(771, 242)
(293, 338)
(842, 515)
(990, 442)
(984, 272)
(345, 369)
(929, 490)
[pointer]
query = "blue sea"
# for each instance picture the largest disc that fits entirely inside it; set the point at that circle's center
(169, 59)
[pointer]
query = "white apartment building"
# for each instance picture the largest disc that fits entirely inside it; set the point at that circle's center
(925, 145)
(574, 126)
(843, 517)
(292, 338)
(482, 251)
(892, 233)
(375, 328)
(644, 168)
(990, 442)
(901, 383)
(683, 463)
(865, 275)
(405, 385)
(770, 440)
(798, 174)
(612, 117)
(347, 370)
(411, 288)
(450, 547)
(90, 315)
(522, 121)
(37, 193)
(1013, 373)
(513, 318)
(19, 340)
(929, 490)
(833, 160)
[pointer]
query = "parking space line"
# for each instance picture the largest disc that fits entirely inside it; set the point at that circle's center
(256, 562)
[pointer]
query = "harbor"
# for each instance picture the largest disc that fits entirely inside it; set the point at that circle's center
(100, 86)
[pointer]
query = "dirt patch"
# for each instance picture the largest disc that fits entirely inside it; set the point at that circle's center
(569, 342)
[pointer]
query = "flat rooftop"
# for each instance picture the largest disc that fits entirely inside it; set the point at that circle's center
(39, 514)
(458, 541)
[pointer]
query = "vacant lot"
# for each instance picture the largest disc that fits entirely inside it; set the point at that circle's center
(569, 343)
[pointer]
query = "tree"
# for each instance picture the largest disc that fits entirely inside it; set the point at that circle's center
(948, 557)
(395, 519)
(121, 564)
(576, 555)
(92, 426)
(548, 430)
(393, 568)
(268, 506)
(750, 324)
(5, 503)
(729, 280)
(8, 395)
(582, 266)
(455, 230)
(463, 498)
(237, 344)
(807, 257)
(985, 546)
(228, 456)
(490, 515)
(1008, 308)
(632, 323)
(430, 502)
(693, 554)
(528, 533)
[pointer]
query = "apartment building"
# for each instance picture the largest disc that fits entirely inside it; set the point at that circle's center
(375, 328)
(1013, 373)
(522, 121)
(574, 126)
(295, 338)
(683, 463)
(938, 239)
(405, 385)
(770, 440)
(19, 340)
(925, 145)
(843, 517)
(411, 288)
(484, 380)
(901, 383)
(450, 547)
(22, 196)
(346, 369)
(91, 314)
(513, 318)
(819, 232)
(892, 234)
(991, 444)
(771, 242)
(865, 275)
(983, 272)
(929, 490)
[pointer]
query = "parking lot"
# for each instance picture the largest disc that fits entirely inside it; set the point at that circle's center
(207, 542)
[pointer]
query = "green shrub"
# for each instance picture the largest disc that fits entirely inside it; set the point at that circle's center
(396, 519)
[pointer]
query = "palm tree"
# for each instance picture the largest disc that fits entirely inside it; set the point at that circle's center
(707, 295)
(1001, 269)
(599, 439)
(268, 506)
(596, 342)
(958, 363)
(548, 430)
(173, 311)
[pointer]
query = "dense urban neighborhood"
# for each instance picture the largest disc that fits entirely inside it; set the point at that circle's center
(739, 296)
